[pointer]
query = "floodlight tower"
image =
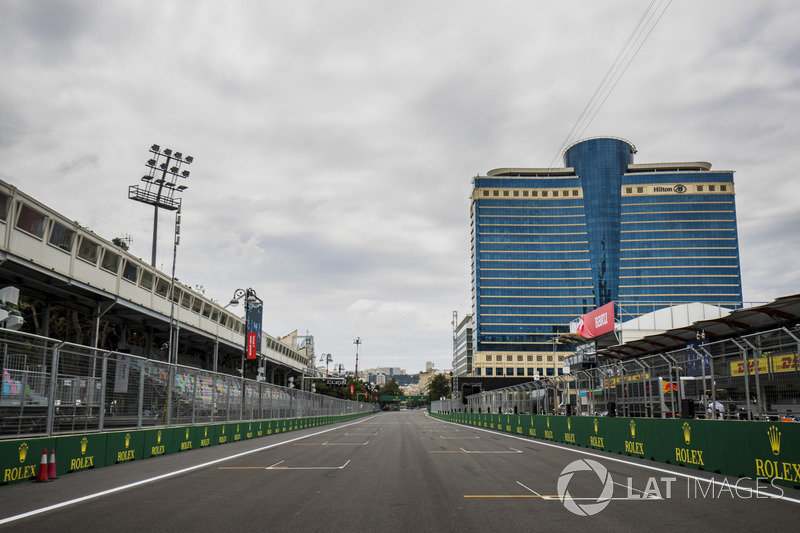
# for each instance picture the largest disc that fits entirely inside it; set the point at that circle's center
(160, 191)
(357, 342)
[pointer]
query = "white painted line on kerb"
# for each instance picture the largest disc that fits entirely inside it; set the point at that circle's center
(162, 476)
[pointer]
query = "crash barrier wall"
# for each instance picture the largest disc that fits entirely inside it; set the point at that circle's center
(20, 459)
(766, 450)
(50, 388)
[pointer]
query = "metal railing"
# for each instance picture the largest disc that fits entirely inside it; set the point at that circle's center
(51, 387)
(753, 377)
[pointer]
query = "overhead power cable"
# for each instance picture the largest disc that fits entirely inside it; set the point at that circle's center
(644, 27)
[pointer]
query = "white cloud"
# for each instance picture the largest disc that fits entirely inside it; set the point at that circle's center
(334, 142)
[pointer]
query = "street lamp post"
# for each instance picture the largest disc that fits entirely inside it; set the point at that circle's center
(160, 191)
(251, 302)
(328, 358)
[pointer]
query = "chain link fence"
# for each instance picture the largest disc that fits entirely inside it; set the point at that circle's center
(51, 387)
(753, 377)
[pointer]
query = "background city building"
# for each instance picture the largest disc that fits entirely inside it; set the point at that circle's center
(551, 244)
(462, 346)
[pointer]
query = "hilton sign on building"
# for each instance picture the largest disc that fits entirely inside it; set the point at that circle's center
(552, 244)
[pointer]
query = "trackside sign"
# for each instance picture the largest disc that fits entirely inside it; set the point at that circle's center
(597, 322)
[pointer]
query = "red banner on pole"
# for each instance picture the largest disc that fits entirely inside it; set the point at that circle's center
(352, 390)
(252, 345)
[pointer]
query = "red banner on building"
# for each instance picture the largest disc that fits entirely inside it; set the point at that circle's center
(598, 322)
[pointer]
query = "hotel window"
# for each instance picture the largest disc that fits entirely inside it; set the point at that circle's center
(505, 193)
(550, 359)
(544, 194)
(699, 188)
(495, 193)
(516, 193)
(110, 261)
(89, 251)
(147, 280)
(509, 358)
(489, 358)
(712, 188)
(555, 194)
(640, 189)
(524, 193)
(62, 237)
(130, 272)
(530, 359)
(162, 287)
(539, 358)
(519, 358)
(723, 188)
(498, 371)
(575, 193)
(629, 190)
(5, 202)
(534, 194)
(31, 221)
(486, 193)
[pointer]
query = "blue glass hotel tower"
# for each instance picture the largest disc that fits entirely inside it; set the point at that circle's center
(550, 244)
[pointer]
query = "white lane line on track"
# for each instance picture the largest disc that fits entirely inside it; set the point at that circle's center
(273, 467)
(514, 450)
(713, 481)
(536, 493)
(163, 476)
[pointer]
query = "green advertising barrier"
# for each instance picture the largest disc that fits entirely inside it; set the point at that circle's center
(20, 459)
(80, 452)
(125, 446)
(158, 442)
(187, 438)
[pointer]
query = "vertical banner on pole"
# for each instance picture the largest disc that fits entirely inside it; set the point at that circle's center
(254, 315)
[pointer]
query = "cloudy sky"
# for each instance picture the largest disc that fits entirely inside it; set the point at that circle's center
(335, 141)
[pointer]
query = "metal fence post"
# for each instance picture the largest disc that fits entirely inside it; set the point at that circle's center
(51, 401)
(103, 378)
(194, 395)
(140, 410)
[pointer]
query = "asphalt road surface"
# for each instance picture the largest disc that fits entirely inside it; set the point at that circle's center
(396, 472)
